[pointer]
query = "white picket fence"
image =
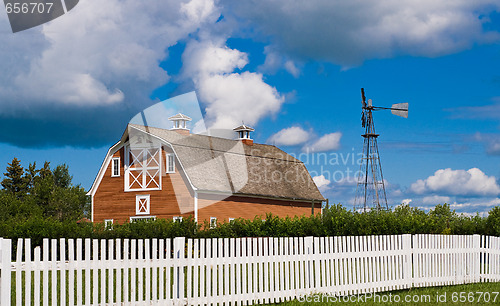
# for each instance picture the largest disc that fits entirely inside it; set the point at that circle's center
(237, 270)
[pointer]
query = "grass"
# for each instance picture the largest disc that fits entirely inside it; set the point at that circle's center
(474, 294)
(168, 281)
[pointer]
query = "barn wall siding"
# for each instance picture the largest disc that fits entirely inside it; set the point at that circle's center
(249, 208)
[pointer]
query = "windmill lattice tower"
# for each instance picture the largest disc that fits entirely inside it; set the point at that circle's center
(370, 189)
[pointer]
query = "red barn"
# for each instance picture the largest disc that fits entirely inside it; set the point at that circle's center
(159, 173)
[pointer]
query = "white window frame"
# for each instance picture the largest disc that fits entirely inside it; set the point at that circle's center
(108, 224)
(213, 222)
(170, 164)
(139, 204)
(113, 167)
(230, 219)
(145, 179)
(137, 218)
(177, 219)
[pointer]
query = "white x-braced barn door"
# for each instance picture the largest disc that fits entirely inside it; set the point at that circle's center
(143, 169)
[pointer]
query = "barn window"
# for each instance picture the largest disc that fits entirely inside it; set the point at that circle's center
(142, 204)
(177, 219)
(108, 224)
(142, 218)
(230, 220)
(115, 166)
(143, 169)
(213, 222)
(170, 167)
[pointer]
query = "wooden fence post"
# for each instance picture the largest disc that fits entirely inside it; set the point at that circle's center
(179, 244)
(408, 261)
(476, 246)
(309, 250)
(5, 265)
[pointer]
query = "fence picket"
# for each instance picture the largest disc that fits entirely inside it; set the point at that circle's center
(203, 268)
(140, 272)
(79, 296)
(119, 270)
(5, 266)
(36, 279)
(102, 270)
(147, 257)
(287, 275)
(264, 245)
(110, 267)
(87, 278)
(71, 273)
(62, 258)
(53, 270)
(226, 271)
(236, 264)
(274, 269)
(45, 272)
(168, 283)
(126, 271)
(245, 269)
(95, 271)
(19, 262)
(154, 276)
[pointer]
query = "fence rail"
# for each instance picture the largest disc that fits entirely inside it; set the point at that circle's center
(236, 270)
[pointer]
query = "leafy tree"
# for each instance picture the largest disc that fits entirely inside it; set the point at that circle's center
(440, 218)
(493, 221)
(62, 178)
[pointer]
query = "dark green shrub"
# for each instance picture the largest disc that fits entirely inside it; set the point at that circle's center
(335, 221)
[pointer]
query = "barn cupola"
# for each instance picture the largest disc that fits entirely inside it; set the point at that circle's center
(180, 123)
(244, 134)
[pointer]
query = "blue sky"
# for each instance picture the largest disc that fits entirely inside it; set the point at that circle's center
(292, 70)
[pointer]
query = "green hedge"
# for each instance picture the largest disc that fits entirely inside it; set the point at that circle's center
(335, 221)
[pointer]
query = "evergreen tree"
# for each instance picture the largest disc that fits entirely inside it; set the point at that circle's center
(41, 193)
(30, 175)
(15, 181)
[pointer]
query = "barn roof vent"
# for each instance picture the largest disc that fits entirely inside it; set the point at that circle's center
(180, 123)
(244, 134)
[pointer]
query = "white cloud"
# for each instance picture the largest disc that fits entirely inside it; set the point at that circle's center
(229, 97)
(276, 60)
(211, 58)
(327, 142)
(292, 69)
(100, 53)
(406, 201)
(491, 141)
(348, 32)
(435, 199)
(291, 136)
(493, 147)
(477, 203)
(321, 182)
(457, 182)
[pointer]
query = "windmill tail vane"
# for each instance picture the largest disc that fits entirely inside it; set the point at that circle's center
(370, 189)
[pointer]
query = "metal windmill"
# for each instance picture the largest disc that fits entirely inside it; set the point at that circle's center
(370, 191)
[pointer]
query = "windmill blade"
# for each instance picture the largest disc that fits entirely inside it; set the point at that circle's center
(370, 102)
(363, 98)
(400, 109)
